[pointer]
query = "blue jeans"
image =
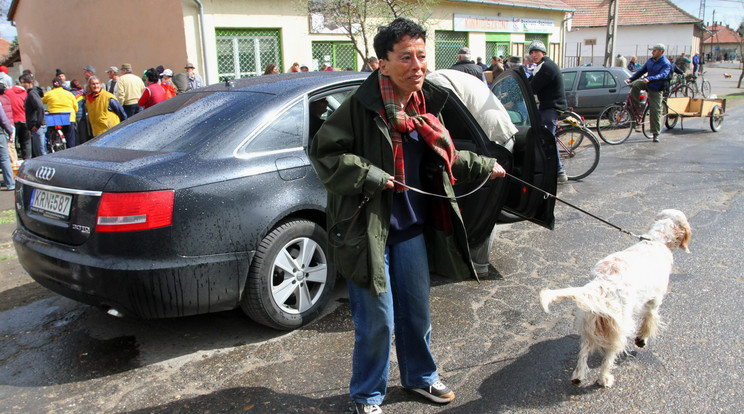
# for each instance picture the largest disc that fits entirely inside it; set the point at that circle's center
(5, 163)
(549, 118)
(404, 309)
(38, 141)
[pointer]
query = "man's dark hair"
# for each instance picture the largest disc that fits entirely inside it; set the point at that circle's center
(57, 82)
(152, 75)
(26, 78)
(388, 36)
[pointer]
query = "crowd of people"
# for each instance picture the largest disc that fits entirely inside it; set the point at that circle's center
(88, 107)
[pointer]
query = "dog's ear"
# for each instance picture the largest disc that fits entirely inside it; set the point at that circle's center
(684, 234)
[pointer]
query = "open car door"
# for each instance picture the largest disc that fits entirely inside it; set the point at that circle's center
(535, 154)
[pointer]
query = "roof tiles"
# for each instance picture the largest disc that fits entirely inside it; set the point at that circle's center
(722, 34)
(594, 13)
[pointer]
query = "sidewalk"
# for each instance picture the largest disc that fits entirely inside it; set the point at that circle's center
(7, 202)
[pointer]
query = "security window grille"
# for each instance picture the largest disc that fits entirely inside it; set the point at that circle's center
(340, 55)
(246, 52)
(529, 37)
(496, 49)
(447, 46)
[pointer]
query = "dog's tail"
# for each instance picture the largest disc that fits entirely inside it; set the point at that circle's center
(584, 298)
(548, 296)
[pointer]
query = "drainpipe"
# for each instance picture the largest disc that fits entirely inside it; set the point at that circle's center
(203, 41)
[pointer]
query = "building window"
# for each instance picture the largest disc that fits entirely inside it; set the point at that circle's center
(246, 52)
(496, 49)
(340, 55)
(447, 44)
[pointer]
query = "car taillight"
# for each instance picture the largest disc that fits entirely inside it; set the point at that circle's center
(134, 211)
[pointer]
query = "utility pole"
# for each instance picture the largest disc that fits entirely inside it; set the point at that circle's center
(701, 12)
(611, 32)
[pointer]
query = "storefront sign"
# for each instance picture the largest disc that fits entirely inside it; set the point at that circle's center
(501, 24)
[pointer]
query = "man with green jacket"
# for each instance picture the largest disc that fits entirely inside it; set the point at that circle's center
(384, 239)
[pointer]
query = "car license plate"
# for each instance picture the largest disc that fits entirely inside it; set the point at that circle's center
(51, 203)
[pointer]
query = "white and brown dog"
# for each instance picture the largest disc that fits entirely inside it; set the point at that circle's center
(623, 300)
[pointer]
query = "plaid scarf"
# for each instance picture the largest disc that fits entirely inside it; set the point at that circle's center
(414, 117)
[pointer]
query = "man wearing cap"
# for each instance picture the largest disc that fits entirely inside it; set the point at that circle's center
(88, 71)
(113, 75)
(167, 84)
(304, 68)
(129, 89)
(466, 64)
(195, 81)
(658, 70)
(5, 78)
(547, 84)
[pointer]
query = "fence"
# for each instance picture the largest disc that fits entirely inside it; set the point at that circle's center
(574, 55)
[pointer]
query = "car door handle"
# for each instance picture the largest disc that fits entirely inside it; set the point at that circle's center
(613, 90)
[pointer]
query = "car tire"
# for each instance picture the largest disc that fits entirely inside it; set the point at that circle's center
(290, 278)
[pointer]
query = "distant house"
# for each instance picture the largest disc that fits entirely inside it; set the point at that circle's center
(722, 43)
(640, 25)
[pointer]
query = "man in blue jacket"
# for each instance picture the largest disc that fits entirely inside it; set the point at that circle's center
(657, 70)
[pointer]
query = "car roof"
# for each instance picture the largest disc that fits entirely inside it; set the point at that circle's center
(282, 83)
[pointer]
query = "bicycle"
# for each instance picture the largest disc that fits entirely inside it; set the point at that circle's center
(681, 87)
(617, 121)
(578, 147)
(703, 88)
(56, 138)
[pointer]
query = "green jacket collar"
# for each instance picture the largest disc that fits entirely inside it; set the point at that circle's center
(370, 97)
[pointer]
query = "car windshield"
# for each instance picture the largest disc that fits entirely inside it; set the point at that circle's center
(186, 122)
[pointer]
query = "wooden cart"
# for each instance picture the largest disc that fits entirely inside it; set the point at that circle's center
(686, 107)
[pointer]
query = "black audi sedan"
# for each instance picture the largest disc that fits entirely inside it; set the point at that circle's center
(207, 201)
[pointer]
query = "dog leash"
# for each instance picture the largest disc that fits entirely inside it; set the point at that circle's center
(334, 230)
(364, 201)
(547, 195)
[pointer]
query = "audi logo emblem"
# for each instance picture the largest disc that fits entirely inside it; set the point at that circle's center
(45, 173)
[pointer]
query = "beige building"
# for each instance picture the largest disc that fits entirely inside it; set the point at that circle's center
(237, 38)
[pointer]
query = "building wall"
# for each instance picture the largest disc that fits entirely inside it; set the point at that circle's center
(443, 19)
(296, 37)
(631, 41)
(70, 34)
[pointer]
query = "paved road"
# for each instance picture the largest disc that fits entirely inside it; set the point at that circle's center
(494, 345)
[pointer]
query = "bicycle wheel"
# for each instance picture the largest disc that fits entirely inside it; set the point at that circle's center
(614, 124)
(579, 152)
(682, 90)
(705, 89)
(646, 120)
(716, 118)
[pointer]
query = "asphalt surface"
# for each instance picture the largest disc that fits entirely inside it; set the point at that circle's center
(494, 345)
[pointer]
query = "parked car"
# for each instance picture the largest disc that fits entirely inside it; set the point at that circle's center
(208, 201)
(590, 88)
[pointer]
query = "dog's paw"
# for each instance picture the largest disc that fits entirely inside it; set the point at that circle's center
(579, 382)
(607, 381)
(640, 342)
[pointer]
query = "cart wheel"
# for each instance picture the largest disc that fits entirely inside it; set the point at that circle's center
(671, 121)
(716, 118)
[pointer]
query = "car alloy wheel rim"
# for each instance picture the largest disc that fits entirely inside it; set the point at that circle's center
(299, 275)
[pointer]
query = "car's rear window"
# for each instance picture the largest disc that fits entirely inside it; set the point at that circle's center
(184, 122)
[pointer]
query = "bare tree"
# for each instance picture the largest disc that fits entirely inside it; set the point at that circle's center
(358, 19)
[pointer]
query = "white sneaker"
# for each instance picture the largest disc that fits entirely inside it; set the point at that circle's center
(562, 177)
(361, 408)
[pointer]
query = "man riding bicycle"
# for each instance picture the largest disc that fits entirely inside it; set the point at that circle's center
(658, 71)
